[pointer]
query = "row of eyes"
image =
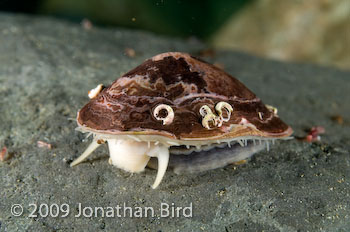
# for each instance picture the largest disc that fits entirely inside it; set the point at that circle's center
(210, 120)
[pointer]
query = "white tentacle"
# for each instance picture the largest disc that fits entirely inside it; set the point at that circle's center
(163, 160)
(93, 145)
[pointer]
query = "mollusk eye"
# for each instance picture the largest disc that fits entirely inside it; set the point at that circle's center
(210, 121)
(224, 105)
(272, 109)
(204, 110)
(167, 117)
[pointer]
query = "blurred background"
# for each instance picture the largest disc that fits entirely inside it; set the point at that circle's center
(308, 31)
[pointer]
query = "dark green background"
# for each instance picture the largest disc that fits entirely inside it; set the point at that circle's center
(180, 18)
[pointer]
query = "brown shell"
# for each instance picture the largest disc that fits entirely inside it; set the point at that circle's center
(186, 84)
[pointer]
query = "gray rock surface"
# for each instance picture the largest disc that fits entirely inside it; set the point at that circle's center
(47, 67)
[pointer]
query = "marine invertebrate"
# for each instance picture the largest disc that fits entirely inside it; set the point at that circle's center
(3, 153)
(187, 113)
(314, 134)
(44, 144)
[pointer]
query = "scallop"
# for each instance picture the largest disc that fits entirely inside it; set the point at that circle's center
(175, 111)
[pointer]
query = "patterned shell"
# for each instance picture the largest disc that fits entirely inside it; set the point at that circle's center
(184, 83)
